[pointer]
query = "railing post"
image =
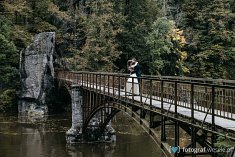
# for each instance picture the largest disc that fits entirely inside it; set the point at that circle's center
(96, 83)
(163, 129)
(213, 137)
(87, 80)
(176, 97)
(76, 78)
(82, 79)
(132, 88)
(141, 92)
(93, 79)
(142, 114)
(176, 116)
(125, 88)
(90, 81)
(108, 84)
(104, 83)
(151, 93)
(119, 87)
(126, 79)
(96, 89)
(193, 133)
(151, 113)
(113, 84)
(100, 82)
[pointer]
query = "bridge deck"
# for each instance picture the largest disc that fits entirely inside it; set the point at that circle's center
(219, 121)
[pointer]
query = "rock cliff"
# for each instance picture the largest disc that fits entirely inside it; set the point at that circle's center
(37, 74)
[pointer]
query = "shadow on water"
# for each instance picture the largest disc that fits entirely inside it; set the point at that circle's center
(20, 137)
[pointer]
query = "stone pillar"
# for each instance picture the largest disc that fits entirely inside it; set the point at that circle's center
(77, 119)
(75, 134)
(37, 75)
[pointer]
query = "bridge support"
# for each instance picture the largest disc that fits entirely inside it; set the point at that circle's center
(98, 129)
(77, 100)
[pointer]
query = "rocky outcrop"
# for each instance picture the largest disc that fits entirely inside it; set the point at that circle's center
(37, 74)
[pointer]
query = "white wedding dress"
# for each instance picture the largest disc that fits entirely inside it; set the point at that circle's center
(135, 85)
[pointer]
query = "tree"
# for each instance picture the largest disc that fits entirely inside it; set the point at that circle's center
(8, 66)
(166, 43)
(140, 14)
(100, 27)
(8, 55)
(210, 33)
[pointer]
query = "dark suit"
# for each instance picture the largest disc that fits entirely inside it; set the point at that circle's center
(137, 71)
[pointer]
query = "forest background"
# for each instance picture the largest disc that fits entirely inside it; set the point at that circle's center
(168, 37)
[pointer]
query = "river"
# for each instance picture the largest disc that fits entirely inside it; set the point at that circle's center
(20, 137)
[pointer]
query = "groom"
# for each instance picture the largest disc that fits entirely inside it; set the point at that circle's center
(134, 67)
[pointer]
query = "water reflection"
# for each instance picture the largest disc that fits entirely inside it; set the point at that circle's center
(24, 118)
(94, 150)
(46, 138)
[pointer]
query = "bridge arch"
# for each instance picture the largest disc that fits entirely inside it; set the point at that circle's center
(112, 112)
(143, 121)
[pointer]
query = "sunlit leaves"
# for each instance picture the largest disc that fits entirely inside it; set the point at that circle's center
(167, 42)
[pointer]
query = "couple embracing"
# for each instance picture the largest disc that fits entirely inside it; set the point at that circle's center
(134, 80)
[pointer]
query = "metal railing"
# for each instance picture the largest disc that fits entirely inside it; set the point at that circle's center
(213, 97)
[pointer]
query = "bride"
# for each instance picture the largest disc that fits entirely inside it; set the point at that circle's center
(133, 80)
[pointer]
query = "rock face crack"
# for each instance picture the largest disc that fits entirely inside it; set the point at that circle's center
(37, 74)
